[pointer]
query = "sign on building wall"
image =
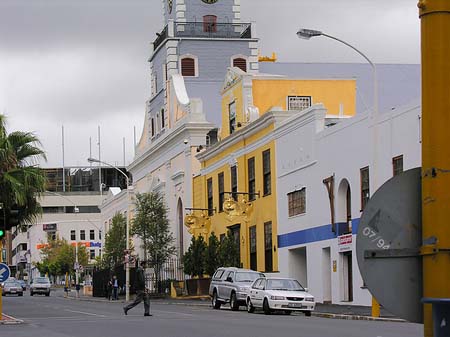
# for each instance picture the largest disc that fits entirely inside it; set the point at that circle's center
(49, 227)
(345, 243)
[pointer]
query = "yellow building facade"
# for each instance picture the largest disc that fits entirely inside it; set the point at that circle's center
(236, 189)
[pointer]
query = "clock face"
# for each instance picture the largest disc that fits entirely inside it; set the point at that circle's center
(169, 6)
(209, 1)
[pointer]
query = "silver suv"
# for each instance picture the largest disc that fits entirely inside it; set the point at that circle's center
(40, 285)
(230, 285)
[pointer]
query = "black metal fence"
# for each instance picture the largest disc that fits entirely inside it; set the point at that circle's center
(213, 30)
(158, 278)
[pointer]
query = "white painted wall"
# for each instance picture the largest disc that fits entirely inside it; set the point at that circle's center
(306, 154)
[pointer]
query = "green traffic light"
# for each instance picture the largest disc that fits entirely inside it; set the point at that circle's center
(2, 233)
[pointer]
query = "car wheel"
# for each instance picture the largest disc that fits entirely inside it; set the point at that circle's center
(47, 294)
(233, 302)
(308, 313)
(215, 301)
(287, 312)
(21, 294)
(250, 307)
(266, 307)
(31, 293)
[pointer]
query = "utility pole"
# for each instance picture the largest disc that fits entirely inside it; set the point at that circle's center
(435, 27)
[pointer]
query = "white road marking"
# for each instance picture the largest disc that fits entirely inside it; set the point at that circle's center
(85, 313)
(174, 312)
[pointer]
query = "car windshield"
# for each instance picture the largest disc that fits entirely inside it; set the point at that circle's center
(247, 276)
(42, 280)
(11, 283)
(284, 284)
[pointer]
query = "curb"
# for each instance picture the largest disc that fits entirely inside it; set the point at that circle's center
(10, 320)
(357, 317)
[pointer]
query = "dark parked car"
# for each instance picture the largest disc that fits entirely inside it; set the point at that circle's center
(12, 287)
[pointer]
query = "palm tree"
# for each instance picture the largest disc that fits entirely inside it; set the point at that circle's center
(21, 180)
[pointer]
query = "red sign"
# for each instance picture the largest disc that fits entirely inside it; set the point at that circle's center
(345, 242)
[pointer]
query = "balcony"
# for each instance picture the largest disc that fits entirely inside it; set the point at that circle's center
(210, 30)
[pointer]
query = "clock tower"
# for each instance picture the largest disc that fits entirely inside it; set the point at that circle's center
(191, 55)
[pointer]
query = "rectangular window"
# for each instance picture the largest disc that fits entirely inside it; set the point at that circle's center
(299, 102)
(365, 187)
(297, 202)
(397, 165)
(232, 116)
(153, 127)
(92, 254)
(210, 196)
(268, 246)
(267, 176)
(163, 117)
(91, 234)
(234, 183)
(251, 178)
(253, 256)
(221, 191)
(72, 235)
(82, 235)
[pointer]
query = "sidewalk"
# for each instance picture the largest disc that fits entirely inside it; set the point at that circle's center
(7, 320)
(349, 312)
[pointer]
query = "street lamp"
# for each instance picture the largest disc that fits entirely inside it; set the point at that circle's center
(306, 34)
(127, 265)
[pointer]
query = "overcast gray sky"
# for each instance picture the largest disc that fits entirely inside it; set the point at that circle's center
(83, 63)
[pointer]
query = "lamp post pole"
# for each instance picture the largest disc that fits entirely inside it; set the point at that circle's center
(127, 264)
(309, 33)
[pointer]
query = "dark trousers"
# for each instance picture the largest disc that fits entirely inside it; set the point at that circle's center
(115, 294)
(141, 295)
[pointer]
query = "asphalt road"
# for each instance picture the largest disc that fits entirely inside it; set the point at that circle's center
(56, 316)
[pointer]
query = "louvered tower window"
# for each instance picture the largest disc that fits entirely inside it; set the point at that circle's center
(240, 63)
(188, 67)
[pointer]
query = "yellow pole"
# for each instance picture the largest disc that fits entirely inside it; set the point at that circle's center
(435, 27)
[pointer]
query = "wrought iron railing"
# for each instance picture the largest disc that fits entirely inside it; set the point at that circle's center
(210, 30)
(160, 39)
(213, 30)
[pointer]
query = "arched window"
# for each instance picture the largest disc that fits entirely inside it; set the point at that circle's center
(188, 66)
(210, 23)
(240, 63)
(180, 226)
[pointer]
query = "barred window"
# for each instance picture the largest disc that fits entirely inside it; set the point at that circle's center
(297, 202)
(299, 102)
(397, 165)
(365, 187)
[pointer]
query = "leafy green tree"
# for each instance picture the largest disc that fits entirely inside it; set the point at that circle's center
(212, 261)
(21, 181)
(194, 260)
(151, 225)
(115, 242)
(229, 252)
(59, 257)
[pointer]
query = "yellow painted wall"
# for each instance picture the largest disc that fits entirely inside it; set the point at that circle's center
(232, 94)
(264, 206)
(268, 93)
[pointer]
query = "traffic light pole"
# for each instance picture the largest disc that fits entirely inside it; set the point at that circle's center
(435, 27)
(1, 295)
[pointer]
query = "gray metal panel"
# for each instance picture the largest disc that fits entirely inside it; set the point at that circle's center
(392, 225)
(398, 84)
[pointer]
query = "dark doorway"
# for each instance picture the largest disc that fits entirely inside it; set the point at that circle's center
(268, 255)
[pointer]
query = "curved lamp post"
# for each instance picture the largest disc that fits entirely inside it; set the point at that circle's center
(127, 265)
(306, 34)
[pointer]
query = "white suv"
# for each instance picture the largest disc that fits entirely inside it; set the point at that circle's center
(230, 285)
(40, 285)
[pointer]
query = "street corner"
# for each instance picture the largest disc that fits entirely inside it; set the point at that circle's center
(9, 320)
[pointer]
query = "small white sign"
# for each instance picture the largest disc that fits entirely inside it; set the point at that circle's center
(345, 243)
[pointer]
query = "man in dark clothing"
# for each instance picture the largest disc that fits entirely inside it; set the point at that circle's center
(141, 292)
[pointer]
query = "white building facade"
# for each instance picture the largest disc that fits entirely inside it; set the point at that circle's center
(320, 166)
